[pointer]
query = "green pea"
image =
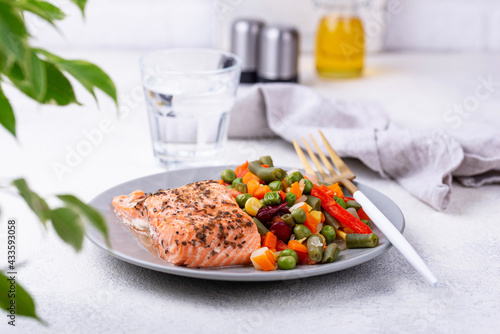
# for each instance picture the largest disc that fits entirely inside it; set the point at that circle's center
(301, 231)
(272, 198)
(286, 262)
(366, 222)
(241, 187)
(241, 199)
(329, 233)
(308, 186)
(228, 176)
(237, 180)
(340, 201)
(288, 219)
(299, 215)
(290, 252)
(290, 199)
(276, 186)
(294, 177)
(353, 204)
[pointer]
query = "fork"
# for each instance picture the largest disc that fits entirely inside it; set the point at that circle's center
(344, 176)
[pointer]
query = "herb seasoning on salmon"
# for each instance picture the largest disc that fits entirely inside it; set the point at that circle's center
(196, 225)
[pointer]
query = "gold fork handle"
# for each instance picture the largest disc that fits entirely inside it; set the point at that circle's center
(394, 236)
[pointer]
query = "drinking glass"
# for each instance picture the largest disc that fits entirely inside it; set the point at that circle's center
(189, 95)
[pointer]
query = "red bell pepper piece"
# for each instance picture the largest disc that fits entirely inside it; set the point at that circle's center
(362, 214)
(342, 215)
(241, 168)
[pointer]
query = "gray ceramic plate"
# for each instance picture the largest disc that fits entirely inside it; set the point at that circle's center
(126, 246)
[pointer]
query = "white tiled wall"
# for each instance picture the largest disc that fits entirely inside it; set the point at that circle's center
(447, 25)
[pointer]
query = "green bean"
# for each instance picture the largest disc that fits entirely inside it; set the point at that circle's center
(288, 219)
(286, 262)
(301, 231)
(315, 247)
(355, 240)
(260, 227)
(308, 186)
(314, 202)
(340, 201)
(276, 185)
(241, 187)
(290, 252)
(266, 160)
(366, 222)
(228, 176)
(267, 175)
(272, 198)
(353, 204)
(330, 220)
(290, 199)
(329, 233)
(241, 199)
(299, 215)
(237, 180)
(294, 177)
(331, 253)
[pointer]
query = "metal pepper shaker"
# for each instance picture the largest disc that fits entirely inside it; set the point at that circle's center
(278, 54)
(245, 35)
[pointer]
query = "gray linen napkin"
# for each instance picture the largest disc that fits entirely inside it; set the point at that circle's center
(423, 162)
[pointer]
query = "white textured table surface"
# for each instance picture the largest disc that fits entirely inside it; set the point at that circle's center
(91, 292)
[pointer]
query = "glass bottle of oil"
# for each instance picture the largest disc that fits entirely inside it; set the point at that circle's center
(340, 40)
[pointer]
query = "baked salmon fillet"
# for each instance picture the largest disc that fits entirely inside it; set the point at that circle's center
(196, 225)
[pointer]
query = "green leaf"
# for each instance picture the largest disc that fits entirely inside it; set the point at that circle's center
(88, 74)
(93, 216)
(24, 304)
(30, 77)
(7, 118)
(13, 34)
(35, 202)
(67, 224)
(59, 89)
(81, 4)
(43, 9)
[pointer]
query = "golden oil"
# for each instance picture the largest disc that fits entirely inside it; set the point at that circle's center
(340, 46)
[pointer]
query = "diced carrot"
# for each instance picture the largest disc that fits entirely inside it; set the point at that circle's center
(311, 223)
(250, 176)
(260, 192)
(280, 245)
(270, 256)
(234, 192)
(296, 190)
(270, 241)
(241, 168)
(283, 195)
(304, 207)
(297, 246)
(252, 185)
(221, 182)
(264, 262)
(336, 190)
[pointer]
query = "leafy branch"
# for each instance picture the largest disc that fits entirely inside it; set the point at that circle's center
(43, 77)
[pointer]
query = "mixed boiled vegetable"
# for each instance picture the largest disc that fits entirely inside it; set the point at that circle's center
(301, 221)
